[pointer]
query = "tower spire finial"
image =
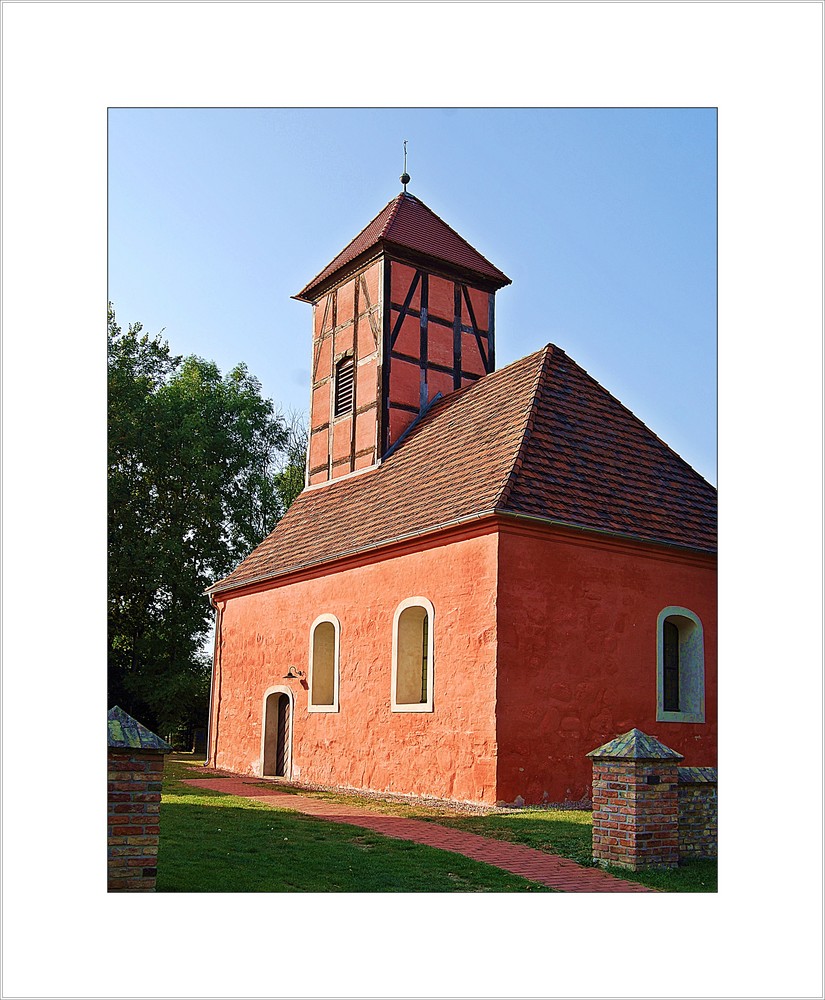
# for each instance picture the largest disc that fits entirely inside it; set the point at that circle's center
(405, 177)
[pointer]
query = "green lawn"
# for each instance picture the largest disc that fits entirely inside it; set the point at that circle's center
(564, 832)
(569, 833)
(212, 842)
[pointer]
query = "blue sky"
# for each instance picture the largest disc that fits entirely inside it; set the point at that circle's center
(605, 219)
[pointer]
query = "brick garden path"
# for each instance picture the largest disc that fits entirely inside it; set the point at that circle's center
(548, 869)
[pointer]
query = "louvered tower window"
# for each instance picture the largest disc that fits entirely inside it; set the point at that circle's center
(344, 386)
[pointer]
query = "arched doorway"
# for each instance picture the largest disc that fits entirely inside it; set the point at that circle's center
(276, 755)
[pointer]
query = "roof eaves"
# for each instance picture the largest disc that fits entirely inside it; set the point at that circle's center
(344, 270)
(302, 296)
(438, 265)
(497, 511)
(624, 536)
(348, 553)
(384, 235)
(507, 281)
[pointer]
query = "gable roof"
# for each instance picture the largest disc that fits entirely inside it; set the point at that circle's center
(539, 438)
(409, 224)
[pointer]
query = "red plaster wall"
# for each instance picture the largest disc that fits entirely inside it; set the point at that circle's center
(449, 753)
(577, 656)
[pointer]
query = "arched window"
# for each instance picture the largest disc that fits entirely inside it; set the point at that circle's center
(680, 662)
(344, 386)
(324, 636)
(412, 656)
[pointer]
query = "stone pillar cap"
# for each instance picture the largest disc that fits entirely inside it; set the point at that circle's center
(636, 745)
(124, 733)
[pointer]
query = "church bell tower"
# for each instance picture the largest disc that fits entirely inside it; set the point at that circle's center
(404, 313)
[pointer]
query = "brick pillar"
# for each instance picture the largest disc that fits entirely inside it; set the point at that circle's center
(635, 803)
(134, 806)
(698, 812)
(135, 760)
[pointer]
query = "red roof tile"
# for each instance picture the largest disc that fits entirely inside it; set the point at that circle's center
(589, 461)
(539, 437)
(409, 224)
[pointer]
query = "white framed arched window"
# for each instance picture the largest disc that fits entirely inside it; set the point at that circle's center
(413, 655)
(324, 648)
(680, 666)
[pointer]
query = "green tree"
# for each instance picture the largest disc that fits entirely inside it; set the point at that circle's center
(201, 469)
(288, 475)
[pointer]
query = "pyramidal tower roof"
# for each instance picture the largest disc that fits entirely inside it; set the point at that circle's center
(407, 224)
(124, 732)
(540, 439)
(636, 745)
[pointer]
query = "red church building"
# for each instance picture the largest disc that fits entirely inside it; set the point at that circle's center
(488, 574)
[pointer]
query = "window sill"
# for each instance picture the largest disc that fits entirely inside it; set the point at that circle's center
(696, 717)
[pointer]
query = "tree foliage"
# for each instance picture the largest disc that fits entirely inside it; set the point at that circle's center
(201, 468)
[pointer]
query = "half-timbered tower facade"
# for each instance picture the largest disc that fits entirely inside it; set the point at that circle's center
(488, 574)
(403, 315)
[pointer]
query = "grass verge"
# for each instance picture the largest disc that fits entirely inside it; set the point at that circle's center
(570, 834)
(212, 842)
(557, 831)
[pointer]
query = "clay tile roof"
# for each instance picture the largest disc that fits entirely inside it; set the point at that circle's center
(591, 462)
(409, 224)
(539, 438)
(452, 465)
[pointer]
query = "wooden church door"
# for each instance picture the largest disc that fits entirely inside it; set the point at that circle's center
(277, 762)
